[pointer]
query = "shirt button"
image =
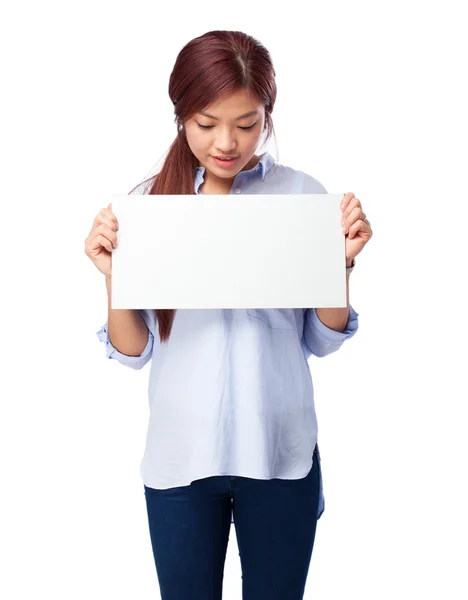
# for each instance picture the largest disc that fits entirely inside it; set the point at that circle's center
(238, 191)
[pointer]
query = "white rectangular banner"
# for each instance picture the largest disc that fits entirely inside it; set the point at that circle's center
(229, 251)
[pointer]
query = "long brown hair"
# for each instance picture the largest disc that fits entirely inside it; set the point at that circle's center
(209, 67)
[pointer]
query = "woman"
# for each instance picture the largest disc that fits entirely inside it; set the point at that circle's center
(232, 429)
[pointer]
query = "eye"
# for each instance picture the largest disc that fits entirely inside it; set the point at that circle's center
(211, 126)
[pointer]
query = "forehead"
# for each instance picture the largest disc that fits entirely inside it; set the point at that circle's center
(233, 105)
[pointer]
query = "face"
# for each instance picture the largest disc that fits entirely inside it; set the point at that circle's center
(226, 132)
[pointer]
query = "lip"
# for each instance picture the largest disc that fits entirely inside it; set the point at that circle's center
(222, 156)
(226, 164)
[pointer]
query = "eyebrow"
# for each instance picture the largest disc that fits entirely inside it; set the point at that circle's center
(252, 112)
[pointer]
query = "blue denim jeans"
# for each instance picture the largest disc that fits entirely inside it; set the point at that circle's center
(275, 522)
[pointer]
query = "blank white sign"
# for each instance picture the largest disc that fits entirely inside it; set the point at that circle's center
(229, 251)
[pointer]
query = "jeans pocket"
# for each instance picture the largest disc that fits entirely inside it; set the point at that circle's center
(275, 318)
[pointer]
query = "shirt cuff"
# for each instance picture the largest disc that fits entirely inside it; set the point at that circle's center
(331, 334)
(112, 352)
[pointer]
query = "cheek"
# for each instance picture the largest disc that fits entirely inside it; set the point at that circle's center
(253, 141)
(199, 139)
(195, 140)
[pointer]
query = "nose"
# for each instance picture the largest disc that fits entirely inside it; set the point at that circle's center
(225, 142)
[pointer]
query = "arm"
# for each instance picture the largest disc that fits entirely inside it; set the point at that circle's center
(324, 335)
(127, 334)
(336, 318)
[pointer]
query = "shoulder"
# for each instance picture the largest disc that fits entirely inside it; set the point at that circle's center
(300, 180)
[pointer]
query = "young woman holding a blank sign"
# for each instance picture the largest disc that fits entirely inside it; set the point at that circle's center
(232, 429)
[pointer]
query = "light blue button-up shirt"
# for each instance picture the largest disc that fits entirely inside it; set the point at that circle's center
(231, 392)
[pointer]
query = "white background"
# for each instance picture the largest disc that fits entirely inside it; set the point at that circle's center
(370, 100)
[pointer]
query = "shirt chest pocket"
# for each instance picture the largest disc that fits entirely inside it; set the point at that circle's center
(275, 318)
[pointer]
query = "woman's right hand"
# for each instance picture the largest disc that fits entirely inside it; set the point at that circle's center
(102, 240)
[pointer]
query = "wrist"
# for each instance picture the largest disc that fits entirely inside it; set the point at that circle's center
(350, 263)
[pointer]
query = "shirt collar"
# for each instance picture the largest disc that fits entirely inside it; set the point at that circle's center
(264, 165)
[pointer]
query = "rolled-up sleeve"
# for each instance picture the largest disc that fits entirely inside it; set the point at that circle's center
(135, 362)
(320, 340)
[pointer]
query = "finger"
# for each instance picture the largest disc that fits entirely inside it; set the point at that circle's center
(94, 245)
(345, 200)
(107, 232)
(352, 204)
(358, 226)
(355, 214)
(105, 217)
(100, 240)
(107, 212)
(109, 208)
(109, 220)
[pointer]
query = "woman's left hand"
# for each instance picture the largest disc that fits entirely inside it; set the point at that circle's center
(356, 227)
